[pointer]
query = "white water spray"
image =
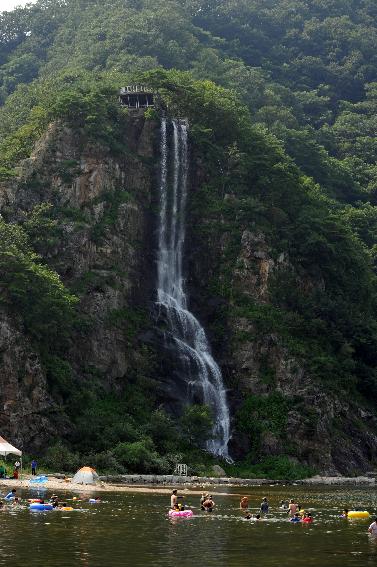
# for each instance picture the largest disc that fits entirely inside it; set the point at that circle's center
(202, 373)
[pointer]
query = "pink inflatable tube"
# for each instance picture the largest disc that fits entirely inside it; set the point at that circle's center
(180, 514)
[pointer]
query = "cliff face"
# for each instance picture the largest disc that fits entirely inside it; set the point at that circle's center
(103, 252)
(326, 430)
(279, 406)
(104, 204)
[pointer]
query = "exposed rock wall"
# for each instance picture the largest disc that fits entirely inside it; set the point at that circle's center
(104, 253)
(323, 429)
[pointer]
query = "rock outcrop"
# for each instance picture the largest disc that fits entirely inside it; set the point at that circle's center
(104, 253)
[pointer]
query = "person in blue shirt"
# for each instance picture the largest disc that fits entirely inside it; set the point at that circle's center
(11, 495)
(296, 518)
(34, 465)
(264, 506)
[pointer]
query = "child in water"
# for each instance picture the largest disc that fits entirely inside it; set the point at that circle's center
(296, 518)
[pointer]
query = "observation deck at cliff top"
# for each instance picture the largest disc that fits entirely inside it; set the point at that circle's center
(136, 96)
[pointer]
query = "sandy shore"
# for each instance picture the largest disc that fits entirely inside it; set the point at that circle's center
(54, 485)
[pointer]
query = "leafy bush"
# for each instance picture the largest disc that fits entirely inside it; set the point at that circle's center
(197, 424)
(139, 457)
(59, 457)
(274, 468)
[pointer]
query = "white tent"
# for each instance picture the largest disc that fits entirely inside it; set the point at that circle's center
(86, 475)
(8, 449)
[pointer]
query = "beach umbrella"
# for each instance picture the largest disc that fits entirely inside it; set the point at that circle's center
(85, 475)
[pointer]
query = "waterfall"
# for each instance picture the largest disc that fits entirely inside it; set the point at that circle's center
(201, 372)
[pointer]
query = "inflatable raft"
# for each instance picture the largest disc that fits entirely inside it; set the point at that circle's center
(180, 513)
(41, 507)
(358, 514)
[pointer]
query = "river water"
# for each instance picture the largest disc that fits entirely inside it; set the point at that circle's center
(133, 529)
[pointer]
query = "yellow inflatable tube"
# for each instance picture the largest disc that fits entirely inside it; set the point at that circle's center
(358, 514)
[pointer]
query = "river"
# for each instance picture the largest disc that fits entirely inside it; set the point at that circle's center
(133, 529)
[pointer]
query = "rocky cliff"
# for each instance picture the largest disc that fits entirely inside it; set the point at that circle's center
(103, 205)
(103, 251)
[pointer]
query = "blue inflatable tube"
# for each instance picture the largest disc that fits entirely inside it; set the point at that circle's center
(41, 507)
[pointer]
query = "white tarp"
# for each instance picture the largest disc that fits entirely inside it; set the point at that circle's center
(8, 449)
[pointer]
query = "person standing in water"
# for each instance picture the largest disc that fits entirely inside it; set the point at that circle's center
(292, 508)
(244, 504)
(209, 504)
(174, 500)
(264, 506)
(203, 499)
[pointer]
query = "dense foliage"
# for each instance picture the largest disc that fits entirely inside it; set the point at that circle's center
(282, 101)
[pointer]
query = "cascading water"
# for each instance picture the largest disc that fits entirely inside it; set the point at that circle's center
(201, 373)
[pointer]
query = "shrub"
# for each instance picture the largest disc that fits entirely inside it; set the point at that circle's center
(139, 457)
(60, 458)
(197, 424)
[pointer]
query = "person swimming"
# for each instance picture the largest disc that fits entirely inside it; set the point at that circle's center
(296, 518)
(307, 519)
(11, 495)
(250, 517)
(345, 513)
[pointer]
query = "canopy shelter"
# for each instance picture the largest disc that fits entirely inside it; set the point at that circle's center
(8, 449)
(86, 475)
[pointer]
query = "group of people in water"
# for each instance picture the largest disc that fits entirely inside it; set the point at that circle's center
(293, 509)
(11, 500)
(207, 504)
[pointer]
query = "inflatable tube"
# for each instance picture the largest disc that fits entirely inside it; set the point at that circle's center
(65, 508)
(94, 501)
(180, 513)
(358, 514)
(41, 507)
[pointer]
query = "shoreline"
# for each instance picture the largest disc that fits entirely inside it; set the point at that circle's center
(164, 484)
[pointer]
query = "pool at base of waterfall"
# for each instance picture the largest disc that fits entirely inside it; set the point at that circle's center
(134, 529)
